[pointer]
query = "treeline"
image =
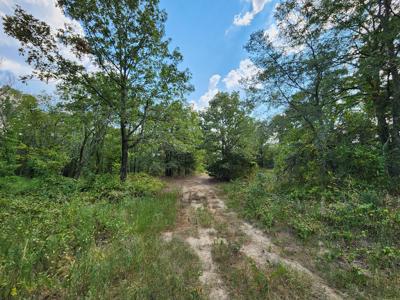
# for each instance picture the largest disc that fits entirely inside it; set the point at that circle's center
(118, 76)
(121, 95)
(332, 68)
(39, 138)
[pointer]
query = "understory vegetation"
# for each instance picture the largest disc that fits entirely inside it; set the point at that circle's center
(63, 238)
(350, 234)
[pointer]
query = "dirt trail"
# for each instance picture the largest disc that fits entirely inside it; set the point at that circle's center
(199, 192)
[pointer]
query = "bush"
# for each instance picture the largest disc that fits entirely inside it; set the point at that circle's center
(109, 187)
(232, 167)
(36, 162)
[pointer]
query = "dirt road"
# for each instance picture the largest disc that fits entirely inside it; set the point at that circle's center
(200, 202)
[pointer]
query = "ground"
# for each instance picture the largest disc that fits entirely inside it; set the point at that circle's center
(238, 260)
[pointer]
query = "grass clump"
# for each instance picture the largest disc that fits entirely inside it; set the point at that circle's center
(57, 242)
(202, 217)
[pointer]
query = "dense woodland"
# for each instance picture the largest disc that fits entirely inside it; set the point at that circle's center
(325, 167)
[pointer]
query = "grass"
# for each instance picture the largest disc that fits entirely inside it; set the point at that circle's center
(352, 234)
(201, 217)
(66, 239)
(246, 281)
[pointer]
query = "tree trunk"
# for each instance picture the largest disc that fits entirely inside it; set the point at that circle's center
(394, 149)
(168, 169)
(395, 143)
(81, 161)
(98, 162)
(380, 113)
(124, 152)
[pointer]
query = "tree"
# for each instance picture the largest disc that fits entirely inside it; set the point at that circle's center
(125, 41)
(8, 110)
(303, 72)
(174, 140)
(265, 146)
(328, 71)
(92, 122)
(373, 31)
(228, 131)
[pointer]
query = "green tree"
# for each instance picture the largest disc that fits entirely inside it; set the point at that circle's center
(173, 142)
(302, 71)
(265, 144)
(228, 137)
(9, 99)
(91, 124)
(372, 30)
(125, 40)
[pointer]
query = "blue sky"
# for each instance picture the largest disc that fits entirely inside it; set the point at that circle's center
(211, 35)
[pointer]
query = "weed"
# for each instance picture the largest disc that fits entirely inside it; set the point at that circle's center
(202, 217)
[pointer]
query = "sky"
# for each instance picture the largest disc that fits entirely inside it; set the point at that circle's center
(210, 34)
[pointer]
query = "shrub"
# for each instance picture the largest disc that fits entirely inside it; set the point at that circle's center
(109, 186)
(232, 167)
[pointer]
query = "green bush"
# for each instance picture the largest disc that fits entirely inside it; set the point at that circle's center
(347, 215)
(232, 167)
(37, 162)
(109, 187)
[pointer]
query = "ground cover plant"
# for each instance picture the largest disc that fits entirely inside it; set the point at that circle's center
(62, 239)
(351, 233)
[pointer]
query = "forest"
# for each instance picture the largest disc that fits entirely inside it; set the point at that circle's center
(116, 187)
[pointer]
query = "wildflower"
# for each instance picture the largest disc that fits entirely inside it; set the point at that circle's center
(14, 291)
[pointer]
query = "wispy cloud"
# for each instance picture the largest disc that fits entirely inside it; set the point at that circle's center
(16, 68)
(245, 19)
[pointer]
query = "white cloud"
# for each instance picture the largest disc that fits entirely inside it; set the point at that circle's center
(210, 94)
(246, 18)
(236, 78)
(14, 67)
(243, 20)
(272, 34)
(7, 3)
(47, 11)
(280, 41)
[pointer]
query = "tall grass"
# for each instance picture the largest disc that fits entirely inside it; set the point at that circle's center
(71, 240)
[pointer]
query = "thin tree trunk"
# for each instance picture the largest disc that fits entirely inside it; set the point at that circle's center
(379, 101)
(395, 143)
(124, 152)
(393, 68)
(81, 161)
